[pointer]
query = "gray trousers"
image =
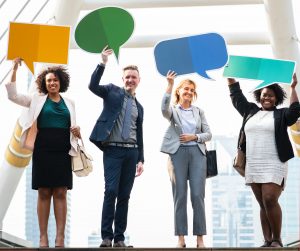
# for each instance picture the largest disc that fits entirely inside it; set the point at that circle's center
(188, 164)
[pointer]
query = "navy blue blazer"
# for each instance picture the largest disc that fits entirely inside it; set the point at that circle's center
(113, 97)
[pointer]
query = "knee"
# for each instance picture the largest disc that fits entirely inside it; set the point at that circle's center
(110, 193)
(60, 194)
(44, 194)
(197, 198)
(269, 201)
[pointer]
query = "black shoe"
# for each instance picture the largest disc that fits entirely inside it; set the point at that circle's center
(276, 244)
(119, 244)
(106, 243)
(266, 244)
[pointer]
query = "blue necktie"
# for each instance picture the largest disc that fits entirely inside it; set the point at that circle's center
(127, 119)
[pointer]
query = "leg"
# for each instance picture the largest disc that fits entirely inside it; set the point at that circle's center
(200, 242)
(265, 224)
(125, 186)
(60, 212)
(179, 175)
(112, 160)
(43, 211)
(270, 194)
(197, 180)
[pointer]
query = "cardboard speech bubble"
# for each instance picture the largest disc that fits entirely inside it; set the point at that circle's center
(110, 26)
(265, 69)
(199, 53)
(38, 43)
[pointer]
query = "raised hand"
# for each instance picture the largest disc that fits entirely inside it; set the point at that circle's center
(16, 63)
(170, 77)
(231, 81)
(295, 81)
(105, 53)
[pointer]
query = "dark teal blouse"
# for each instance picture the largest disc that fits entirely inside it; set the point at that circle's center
(54, 115)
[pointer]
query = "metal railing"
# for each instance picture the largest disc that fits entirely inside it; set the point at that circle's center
(14, 19)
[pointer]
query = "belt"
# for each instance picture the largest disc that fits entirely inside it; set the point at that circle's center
(129, 145)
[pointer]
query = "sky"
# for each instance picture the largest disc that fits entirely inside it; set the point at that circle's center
(150, 221)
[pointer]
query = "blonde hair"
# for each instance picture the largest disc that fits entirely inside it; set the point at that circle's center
(176, 94)
(131, 67)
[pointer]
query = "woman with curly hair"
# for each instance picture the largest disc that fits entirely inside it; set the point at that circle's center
(49, 129)
(267, 148)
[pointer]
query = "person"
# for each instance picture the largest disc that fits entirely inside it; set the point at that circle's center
(118, 132)
(184, 141)
(268, 148)
(49, 129)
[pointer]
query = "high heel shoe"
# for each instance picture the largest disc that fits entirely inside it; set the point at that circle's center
(276, 244)
(181, 245)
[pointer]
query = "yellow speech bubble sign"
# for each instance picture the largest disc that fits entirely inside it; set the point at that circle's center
(38, 43)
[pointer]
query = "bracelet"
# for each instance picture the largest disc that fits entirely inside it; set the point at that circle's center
(196, 138)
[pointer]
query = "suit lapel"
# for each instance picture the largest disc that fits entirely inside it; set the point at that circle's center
(177, 116)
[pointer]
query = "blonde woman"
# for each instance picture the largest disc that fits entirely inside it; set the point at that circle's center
(184, 141)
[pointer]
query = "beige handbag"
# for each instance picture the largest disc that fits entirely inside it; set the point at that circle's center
(239, 162)
(82, 163)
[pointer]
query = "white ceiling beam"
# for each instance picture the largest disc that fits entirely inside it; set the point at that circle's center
(95, 4)
(231, 39)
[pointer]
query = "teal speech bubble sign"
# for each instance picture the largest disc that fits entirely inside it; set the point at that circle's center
(268, 70)
(110, 26)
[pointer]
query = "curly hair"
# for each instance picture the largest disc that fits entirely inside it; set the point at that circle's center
(280, 94)
(186, 81)
(60, 72)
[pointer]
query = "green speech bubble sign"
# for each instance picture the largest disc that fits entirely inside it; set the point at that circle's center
(110, 26)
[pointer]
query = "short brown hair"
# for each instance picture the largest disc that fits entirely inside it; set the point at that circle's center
(131, 67)
(185, 81)
(60, 72)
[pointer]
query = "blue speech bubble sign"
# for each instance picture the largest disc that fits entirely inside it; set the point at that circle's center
(199, 53)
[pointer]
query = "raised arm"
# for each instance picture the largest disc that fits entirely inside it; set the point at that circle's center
(165, 105)
(231, 81)
(94, 85)
(294, 96)
(238, 99)
(13, 95)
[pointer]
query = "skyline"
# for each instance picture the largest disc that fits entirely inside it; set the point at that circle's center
(154, 183)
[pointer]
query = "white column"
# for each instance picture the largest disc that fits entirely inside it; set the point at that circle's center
(9, 180)
(284, 43)
(66, 12)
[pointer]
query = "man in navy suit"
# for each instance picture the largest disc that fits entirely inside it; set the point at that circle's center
(118, 132)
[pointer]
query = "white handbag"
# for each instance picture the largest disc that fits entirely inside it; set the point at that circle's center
(82, 163)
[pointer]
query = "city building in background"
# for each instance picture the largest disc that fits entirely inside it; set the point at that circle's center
(31, 220)
(235, 212)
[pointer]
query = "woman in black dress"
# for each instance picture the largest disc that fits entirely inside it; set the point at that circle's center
(49, 129)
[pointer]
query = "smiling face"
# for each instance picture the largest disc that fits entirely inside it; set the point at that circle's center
(131, 80)
(268, 99)
(52, 83)
(186, 92)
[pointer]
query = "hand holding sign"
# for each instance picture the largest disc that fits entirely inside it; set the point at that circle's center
(268, 70)
(185, 55)
(38, 43)
(110, 26)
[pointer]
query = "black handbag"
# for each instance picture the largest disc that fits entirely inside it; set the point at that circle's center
(211, 163)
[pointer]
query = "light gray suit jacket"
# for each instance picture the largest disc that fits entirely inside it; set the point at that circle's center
(171, 141)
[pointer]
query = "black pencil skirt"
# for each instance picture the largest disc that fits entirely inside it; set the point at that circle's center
(51, 162)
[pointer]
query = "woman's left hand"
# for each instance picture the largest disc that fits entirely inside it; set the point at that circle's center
(75, 130)
(187, 137)
(295, 81)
